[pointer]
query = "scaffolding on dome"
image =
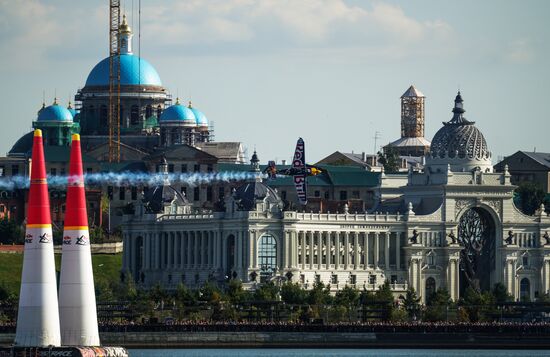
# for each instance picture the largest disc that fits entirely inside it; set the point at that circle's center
(114, 81)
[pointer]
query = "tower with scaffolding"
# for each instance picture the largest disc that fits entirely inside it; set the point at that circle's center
(412, 142)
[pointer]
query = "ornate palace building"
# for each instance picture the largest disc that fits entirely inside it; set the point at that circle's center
(451, 225)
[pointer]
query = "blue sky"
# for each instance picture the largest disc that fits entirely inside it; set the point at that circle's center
(269, 71)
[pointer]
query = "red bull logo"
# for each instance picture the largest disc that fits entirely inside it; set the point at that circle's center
(28, 238)
(67, 240)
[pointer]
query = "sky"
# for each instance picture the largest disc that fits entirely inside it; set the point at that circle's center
(269, 71)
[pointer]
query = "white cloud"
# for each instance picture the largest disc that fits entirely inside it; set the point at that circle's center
(520, 51)
(257, 24)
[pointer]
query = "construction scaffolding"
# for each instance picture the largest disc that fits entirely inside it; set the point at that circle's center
(114, 81)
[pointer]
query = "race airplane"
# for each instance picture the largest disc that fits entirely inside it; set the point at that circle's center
(299, 171)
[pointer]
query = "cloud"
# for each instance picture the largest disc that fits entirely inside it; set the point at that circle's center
(265, 25)
(520, 52)
(33, 32)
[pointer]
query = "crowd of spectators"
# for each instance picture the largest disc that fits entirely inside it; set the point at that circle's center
(537, 328)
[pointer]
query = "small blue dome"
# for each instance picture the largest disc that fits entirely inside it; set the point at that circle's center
(133, 71)
(55, 112)
(178, 112)
(201, 118)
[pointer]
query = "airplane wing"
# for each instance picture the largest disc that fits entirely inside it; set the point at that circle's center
(301, 188)
(299, 161)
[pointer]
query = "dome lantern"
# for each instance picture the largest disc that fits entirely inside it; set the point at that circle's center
(125, 37)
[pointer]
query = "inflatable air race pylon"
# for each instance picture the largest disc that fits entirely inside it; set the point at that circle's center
(38, 317)
(77, 306)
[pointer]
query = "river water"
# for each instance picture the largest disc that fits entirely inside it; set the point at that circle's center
(283, 352)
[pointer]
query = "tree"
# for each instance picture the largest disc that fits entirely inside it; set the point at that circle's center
(411, 303)
(530, 196)
(347, 297)
(210, 292)
(235, 292)
(438, 305)
(319, 295)
(501, 293)
(267, 292)
(389, 158)
(384, 297)
(476, 304)
(293, 293)
(10, 232)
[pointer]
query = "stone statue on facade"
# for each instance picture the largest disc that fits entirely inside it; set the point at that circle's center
(510, 238)
(451, 238)
(546, 237)
(414, 238)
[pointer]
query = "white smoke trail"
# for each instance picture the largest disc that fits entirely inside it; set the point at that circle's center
(134, 179)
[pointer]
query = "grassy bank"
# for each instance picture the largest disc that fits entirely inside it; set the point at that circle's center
(106, 269)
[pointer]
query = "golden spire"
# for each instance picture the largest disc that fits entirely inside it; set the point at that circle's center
(177, 100)
(190, 105)
(55, 101)
(124, 28)
(70, 106)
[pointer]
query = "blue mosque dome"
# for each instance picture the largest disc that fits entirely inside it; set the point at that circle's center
(201, 118)
(133, 71)
(178, 112)
(55, 112)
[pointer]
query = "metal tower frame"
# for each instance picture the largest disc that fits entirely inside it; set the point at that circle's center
(114, 81)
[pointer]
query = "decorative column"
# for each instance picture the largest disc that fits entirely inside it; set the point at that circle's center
(387, 250)
(366, 249)
(510, 276)
(376, 249)
(398, 250)
(453, 278)
(311, 251)
(356, 250)
(204, 249)
(224, 257)
(346, 250)
(337, 255)
(252, 251)
(238, 251)
(146, 250)
(546, 274)
(328, 250)
(215, 250)
(162, 237)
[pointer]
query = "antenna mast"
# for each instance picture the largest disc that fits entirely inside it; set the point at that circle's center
(114, 81)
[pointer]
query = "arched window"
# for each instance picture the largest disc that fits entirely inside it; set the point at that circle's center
(525, 290)
(159, 111)
(267, 257)
(148, 111)
(430, 287)
(134, 115)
